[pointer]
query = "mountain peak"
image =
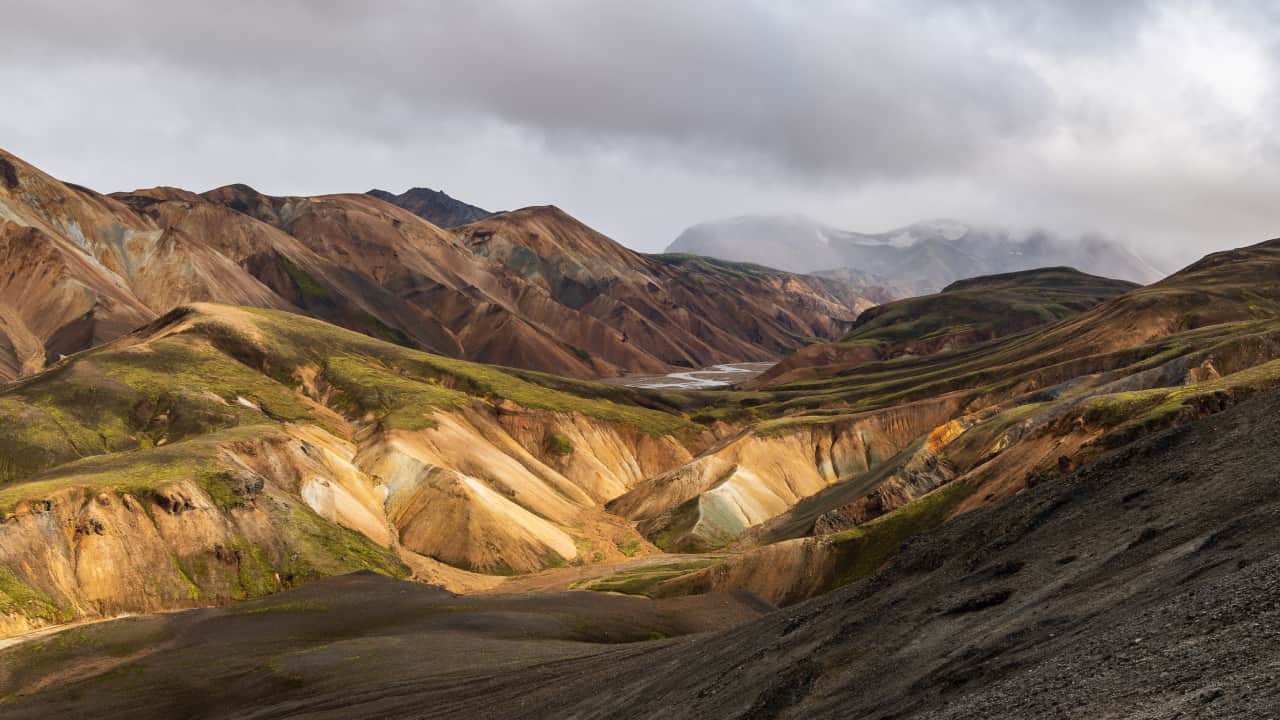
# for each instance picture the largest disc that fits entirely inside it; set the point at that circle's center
(435, 206)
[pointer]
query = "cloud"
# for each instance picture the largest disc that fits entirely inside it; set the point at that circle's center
(1146, 121)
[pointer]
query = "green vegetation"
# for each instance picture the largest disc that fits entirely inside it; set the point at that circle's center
(644, 580)
(864, 549)
(183, 368)
(1127, 413)
(141, 472)
(981, 309)
(18, 598)
(629, 548)
(398, 401)
(443, 382)
(388, 333)
(324, 548)
(558, 445)
(309, 288)
(717, 267)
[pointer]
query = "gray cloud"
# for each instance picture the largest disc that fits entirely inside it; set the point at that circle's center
(1146, 121)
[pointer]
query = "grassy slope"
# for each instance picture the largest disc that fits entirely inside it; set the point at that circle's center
(986, 307)
(229, 368)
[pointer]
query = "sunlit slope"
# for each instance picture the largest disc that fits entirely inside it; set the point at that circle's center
(226, 452)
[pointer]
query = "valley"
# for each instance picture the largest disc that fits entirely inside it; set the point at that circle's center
(568, 360)
(211, 457)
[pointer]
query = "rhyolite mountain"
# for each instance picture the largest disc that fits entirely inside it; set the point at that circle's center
(532, 288)
(856, 454)
(917, 259)
(998, 477)
(435, 206)
(259, 449)
(1079, 514)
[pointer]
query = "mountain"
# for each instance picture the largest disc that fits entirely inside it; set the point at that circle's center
(82, 268)
(964, 313)
(260, 449)
(920, 258)
(434, 206)
(1002, 504)
(997, 475)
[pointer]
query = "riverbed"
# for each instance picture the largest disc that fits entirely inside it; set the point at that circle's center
(716, 376)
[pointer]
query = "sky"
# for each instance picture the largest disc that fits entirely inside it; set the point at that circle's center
(1151, 123)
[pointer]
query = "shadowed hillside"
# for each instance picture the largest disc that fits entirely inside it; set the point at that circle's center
(434, 206)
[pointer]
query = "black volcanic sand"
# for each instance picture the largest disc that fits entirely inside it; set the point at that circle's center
(1145, 585)
(385, 646)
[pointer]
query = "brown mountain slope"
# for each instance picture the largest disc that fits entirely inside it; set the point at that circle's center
(674, 307)
(533, 288)
(537, 289)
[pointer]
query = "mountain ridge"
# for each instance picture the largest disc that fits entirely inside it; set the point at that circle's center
(435, 206)
(114, 262)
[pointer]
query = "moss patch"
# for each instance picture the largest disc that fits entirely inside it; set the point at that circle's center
(18, 598)
(864, 549)
(558, 445)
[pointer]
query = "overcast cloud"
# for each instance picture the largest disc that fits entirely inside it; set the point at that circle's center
(1150, 122)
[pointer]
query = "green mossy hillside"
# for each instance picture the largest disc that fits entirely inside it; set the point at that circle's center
(399, 384)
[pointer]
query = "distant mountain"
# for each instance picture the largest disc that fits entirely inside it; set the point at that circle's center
(434, 206)
(920, 258)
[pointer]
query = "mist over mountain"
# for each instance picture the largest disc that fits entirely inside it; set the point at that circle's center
(920, 258)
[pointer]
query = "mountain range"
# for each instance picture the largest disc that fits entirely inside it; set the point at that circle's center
(912, 260)
(288, 416)
(532, 288)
